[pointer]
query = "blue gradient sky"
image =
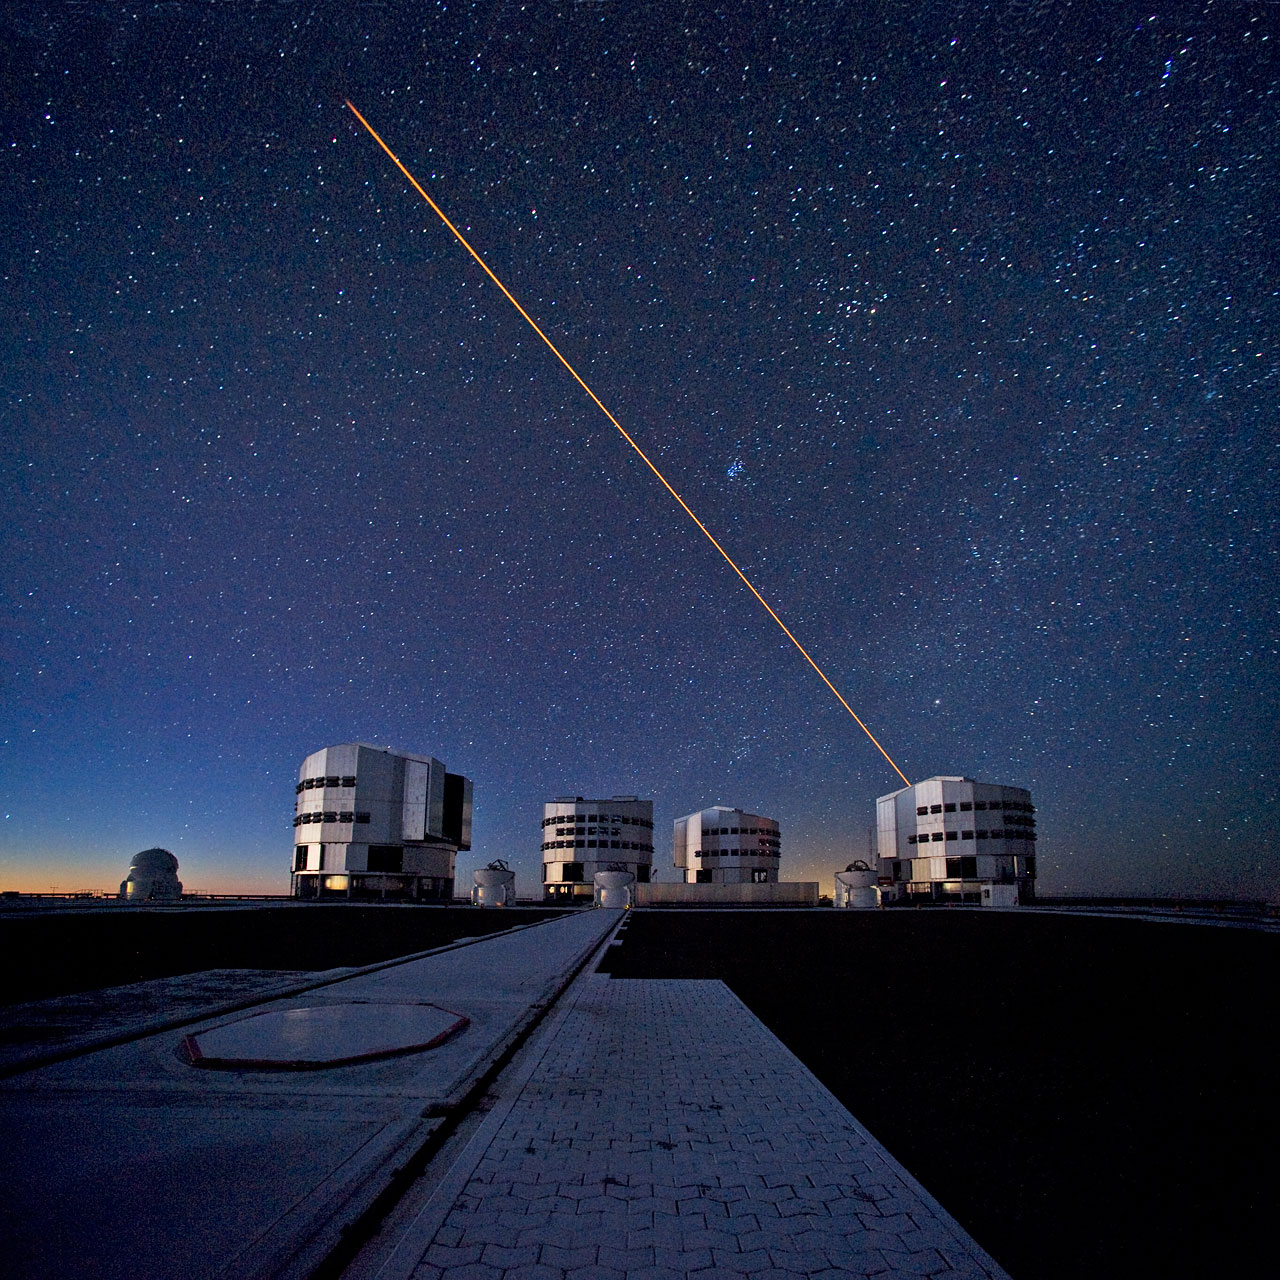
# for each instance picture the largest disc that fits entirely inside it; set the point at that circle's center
(957, 326)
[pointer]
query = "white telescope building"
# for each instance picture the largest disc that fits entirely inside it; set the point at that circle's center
(727, 846)
(372, 822)
(948, 838)
(581, 837)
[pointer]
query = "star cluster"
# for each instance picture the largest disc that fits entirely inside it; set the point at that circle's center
(955, 324)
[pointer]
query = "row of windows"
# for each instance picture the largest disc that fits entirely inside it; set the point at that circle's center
(736, 853)
(1009, 806)
(966, 868)
(597, 844)
(938, 836)
(757, 877)
(570, 819)
(572, 872)
(579, 832)
(746, 831)
(342, 815)
(331, 781)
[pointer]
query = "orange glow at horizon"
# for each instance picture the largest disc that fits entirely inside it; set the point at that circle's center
(643, 456)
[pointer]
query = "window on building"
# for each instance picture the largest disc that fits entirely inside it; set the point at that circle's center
(953, 868)
(952, 835)
(948, 808)
(571, 871)
(911, 839)
(642, 873)
(965, 806)
(935, 808)
(362, 817)
(760, 876)
(300, 857)
(966, 835)
(969, 867)
(936, 837)
(922, 810)
(1031, 865)
(330, 816)
(982, 835)
(349, 780)
(332, 780)
(346, 816)
(702, 877)
(979, 804)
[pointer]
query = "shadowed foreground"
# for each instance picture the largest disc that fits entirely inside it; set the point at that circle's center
(1088, 1097)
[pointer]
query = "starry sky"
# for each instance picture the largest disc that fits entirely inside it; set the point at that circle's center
(955, 323)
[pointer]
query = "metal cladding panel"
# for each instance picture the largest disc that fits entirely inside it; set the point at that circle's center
(680, 843)
(465, 833)
(312, 766)
(886, 828)
(417, 780)
(435, 800)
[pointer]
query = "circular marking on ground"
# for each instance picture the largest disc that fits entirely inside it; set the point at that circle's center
(319, 1036)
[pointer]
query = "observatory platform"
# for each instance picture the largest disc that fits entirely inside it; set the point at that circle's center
(649, 1127)
(656, 1128)
(130, 1161)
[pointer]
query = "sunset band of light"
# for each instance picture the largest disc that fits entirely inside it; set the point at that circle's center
(644, 457)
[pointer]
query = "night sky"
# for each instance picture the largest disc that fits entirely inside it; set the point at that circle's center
(956, 324)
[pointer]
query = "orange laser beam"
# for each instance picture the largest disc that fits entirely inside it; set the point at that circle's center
(644, 457)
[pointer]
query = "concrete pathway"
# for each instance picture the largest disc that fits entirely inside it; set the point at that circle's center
(128, 1162)
(656, 1130)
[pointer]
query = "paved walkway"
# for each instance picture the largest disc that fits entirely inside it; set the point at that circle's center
(659, 1130)
(128, 1162)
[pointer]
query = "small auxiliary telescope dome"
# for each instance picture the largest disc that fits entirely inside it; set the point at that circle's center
(495, 886)
(153, 877)
(856, 887)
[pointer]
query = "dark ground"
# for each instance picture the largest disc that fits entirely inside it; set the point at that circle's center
(46, 954)
(1089, 1097)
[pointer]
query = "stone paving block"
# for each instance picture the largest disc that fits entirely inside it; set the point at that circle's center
(683, 1259)
(507, 1256)
(521, 1221)
(533, 1271)
(962, 1267)
(691, 1235)
(486, 1229)
(568, 1257)
(755, 1260)
(625, 1259)
(930, 1237)
(656, 1273)
(442, 1255)
(924, 1262)
(475, 1271)
(594, 1272)
(803, 1260)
